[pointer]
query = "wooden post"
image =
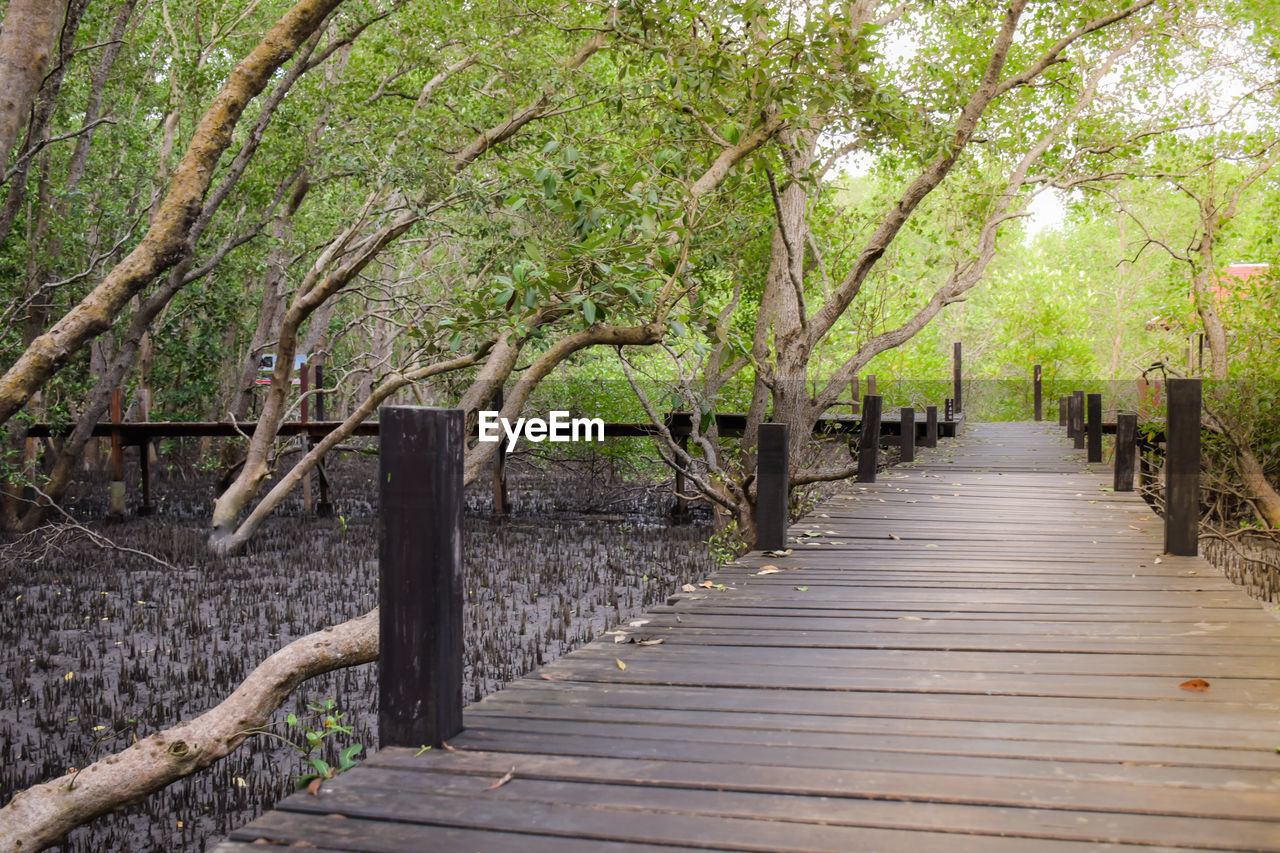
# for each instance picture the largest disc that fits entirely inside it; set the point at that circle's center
(1038, 392)
(1095, 428)
(680, 514)
(871, 385)
(1126, 445)
(955, 378)
(115, 491)
(1062, 411)
(931, 426)
(324, 509)
(948, 410)
(501, 500)
(303, 375)
(1077, 418)
(1182, 469)
(420, 562)
(773, 480)
(144, 465)
(908, 437)
(869, 440)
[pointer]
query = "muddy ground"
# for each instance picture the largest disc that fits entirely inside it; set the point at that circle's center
(102, 645)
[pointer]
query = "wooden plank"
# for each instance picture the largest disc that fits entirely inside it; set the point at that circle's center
(1099, 796)
(1047, 824)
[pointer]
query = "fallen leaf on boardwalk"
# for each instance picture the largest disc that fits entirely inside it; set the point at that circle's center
(1198, 685)
(545, 677)
(895, 537)
(910, 618)
(1144, 518)
(1131, 527)
(454, 748)
(511, 774)
(620, 638)
(913, 501)
(931, 545)
(688, 588)
(706, 584)
(769, 570)
(313, 788)
(802, 589)
(656, 642)
(636, 623)
(1158, 560)
(784, 553)
(620, 664)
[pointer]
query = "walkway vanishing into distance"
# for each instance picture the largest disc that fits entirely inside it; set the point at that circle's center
(984, 651)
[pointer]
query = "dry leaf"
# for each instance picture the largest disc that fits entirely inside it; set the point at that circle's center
(510, 774)
(620, 664)
(620, 638)
(656, 642)
(545, 677)
(450, 748)
(769, 570)
(911, 618)
(895, 537)
(636, 623)
(688, 588)
(1196, 685)
(706, 585)
(313, 787)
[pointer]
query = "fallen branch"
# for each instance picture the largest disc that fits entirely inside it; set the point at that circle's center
(43, 814)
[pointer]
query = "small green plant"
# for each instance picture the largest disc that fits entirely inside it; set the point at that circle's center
(726, 544)
(328, 725)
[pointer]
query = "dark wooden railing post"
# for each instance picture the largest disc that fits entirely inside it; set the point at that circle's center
(1126, 445)
(501, 499)
(1038, 392)
(680, 515)
(144, 466)
(931, 426)
(1063, 406)
(1077, 418)
(324, 509)
(869, 440)
(115, 491)
(908, 437)
(421, 591)
(955, 380)
(773, 487)
(1095, 428)
(1182, 469)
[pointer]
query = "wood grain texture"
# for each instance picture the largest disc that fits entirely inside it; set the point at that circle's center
(980, 651)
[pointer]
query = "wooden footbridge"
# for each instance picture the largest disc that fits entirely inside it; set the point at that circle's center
(984, 650)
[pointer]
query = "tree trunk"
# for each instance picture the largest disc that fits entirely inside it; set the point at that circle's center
(31, 29)
(43, 814)
(165, 242)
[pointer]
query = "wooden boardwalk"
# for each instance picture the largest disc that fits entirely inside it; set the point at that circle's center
(981, 652)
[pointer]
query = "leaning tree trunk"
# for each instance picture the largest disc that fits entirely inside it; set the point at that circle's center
(42, 815)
